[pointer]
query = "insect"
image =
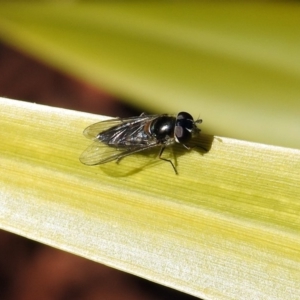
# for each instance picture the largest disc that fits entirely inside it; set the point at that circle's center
(125, 136)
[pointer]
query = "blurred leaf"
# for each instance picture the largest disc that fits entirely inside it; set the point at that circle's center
(235, 63)
(227, 225)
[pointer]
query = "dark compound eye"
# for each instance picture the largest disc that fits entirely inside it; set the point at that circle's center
(184, 127)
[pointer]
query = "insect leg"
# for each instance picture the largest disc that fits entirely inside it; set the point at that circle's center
(165, 159)
(187, 147)
(192, 147)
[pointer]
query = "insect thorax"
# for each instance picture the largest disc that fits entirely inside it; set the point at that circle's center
(162, 127)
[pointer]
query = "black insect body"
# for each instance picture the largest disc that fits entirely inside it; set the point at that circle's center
(126, 136)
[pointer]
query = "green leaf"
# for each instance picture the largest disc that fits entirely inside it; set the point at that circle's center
(226, 227)
(236, 63)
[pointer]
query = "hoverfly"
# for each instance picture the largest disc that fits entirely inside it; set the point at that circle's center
(126, 136)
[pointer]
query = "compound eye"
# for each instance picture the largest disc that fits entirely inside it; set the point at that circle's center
(184, 115)
(183, 127)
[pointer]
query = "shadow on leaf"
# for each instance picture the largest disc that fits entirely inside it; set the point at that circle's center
(147, 159)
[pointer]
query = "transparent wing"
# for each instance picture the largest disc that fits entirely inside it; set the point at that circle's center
(93, 130)
(120, 133)
(99, 153)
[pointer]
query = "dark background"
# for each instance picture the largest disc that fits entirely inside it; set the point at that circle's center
(29, 270)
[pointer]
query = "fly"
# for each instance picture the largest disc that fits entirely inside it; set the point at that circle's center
(125, 136)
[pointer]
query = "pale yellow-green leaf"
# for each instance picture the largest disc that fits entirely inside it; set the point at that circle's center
(234, 63)
(227, 227)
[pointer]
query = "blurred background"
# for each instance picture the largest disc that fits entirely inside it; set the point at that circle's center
(234, 64)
